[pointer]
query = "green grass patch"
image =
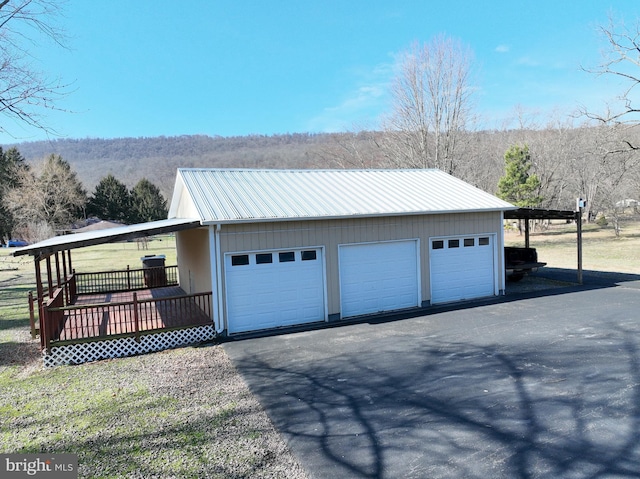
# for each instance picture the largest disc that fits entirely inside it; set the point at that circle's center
(115, 420)
(116, 256)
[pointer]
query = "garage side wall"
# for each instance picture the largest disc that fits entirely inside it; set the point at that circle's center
(183, 203)
(194, 260)
(332, 233)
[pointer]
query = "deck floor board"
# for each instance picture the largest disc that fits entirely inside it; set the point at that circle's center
(117, 318)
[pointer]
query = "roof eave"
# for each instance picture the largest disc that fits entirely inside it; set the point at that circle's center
(343, 217)
(111, 235)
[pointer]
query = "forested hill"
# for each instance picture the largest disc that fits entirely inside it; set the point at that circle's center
(131, 159)
(591, 162)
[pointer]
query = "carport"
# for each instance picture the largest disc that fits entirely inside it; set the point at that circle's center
(95, 315)
(528, 214)
(59, 249)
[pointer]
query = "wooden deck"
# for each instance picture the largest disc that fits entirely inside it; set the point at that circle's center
(107, 314)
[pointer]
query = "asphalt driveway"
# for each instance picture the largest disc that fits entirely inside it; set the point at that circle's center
(543, 385)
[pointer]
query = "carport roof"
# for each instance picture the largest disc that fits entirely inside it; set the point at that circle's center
(109, 235)
(540, 214)
(249, 195)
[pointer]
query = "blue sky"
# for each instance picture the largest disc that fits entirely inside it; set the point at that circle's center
(238, 67)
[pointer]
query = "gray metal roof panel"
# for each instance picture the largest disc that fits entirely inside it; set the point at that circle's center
(239, 195)
(120, 233)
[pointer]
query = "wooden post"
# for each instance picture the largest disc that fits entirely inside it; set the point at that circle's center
(40, 294)
(57, 258)
(580, 208)
(49, 278)
(64, 264)
(136, 316)
(32, 318)
(526, 232)
(128, 278)
(67, 299)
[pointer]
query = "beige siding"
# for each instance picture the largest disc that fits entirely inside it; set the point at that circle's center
(331, 233)
(186, 207)
(194, 262)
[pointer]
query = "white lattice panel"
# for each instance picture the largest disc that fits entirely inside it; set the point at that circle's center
(121, 347)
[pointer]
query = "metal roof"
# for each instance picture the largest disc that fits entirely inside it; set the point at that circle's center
(242, 195)
(109, 235)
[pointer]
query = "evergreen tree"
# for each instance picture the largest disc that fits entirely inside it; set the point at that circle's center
(12, 166)
(518, 186)
(110, 200)
(148, 202)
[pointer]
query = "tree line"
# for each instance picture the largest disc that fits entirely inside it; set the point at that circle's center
(36, 202)
(547, 167)
(568, 160)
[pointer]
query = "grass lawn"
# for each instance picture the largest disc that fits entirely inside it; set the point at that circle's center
(183, 413)
(602, 250)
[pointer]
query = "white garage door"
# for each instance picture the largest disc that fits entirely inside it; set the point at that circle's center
(379, 277)
(271, 289)
(462, 268)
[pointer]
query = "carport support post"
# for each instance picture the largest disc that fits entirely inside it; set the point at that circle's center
(579, 229)
(526, 232)
(44, 342)
(57, 259)
(49, 275)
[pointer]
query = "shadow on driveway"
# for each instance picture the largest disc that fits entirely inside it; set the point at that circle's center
(591, 279)
(547, 386)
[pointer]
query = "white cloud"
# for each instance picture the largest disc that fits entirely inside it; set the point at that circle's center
(502, 48)
(528, 61)
(360, 107)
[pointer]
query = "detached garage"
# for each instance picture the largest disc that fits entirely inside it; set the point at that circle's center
(291, 247)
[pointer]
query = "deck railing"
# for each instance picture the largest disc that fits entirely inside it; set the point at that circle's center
(126, 279)
(60, 319)
(65, 323)
(58, 296)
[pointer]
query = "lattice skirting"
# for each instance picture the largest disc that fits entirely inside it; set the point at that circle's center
(121, 347)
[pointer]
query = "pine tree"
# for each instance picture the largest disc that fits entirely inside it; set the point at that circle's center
(12, 166)
(518, 185)
(111, 200)
(148, 202)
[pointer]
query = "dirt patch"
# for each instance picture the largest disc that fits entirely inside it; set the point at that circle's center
(204, 378)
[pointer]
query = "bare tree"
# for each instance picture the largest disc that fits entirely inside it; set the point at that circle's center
(25, 91)
(352, 149)
(599, 172)
(432, 105)
(50, 194)
(621, 60)
(551, 149)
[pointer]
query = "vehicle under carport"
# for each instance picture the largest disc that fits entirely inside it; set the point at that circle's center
(525, 261)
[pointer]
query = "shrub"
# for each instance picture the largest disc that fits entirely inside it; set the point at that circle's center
(602, 221)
